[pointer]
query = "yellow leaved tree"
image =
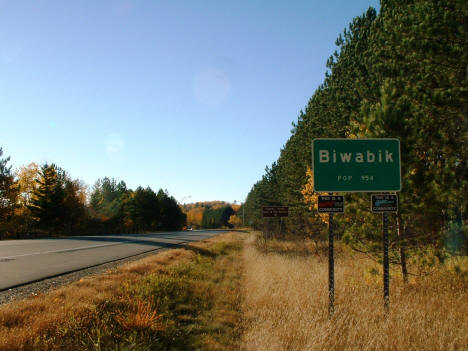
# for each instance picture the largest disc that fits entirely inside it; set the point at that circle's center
(310, 197)
(235, 221)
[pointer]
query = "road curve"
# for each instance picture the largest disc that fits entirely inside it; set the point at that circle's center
(27, 261)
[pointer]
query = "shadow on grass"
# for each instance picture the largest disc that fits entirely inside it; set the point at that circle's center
(292, 248)
(215, 250)
(201, 251)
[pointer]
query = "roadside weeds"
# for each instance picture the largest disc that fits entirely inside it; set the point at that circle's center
(238, 292)
(285, 303)
(181, 299)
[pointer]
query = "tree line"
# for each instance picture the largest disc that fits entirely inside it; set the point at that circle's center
(400, 73)
(211, 214)
(45, 200)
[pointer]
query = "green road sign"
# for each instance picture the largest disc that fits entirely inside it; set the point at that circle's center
(356, 165)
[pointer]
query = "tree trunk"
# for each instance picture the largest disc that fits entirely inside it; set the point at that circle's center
(401, 236)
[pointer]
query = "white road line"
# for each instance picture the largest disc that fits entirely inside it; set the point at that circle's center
(58, 251)
(89, 247)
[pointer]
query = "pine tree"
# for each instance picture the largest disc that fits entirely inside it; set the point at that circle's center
(8, 194)
(47, 205)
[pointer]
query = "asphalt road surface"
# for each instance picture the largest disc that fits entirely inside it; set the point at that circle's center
(26, 261)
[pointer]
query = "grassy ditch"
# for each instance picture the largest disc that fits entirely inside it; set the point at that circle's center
(285, 302)
(182, 299)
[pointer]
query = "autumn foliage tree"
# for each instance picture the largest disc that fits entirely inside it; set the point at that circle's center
(45, 200)
(209, 214)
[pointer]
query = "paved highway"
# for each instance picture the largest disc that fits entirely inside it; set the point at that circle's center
(25, 261)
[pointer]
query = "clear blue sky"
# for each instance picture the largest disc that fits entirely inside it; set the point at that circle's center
(195, 97)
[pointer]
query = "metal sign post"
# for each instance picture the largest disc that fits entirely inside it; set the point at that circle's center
(331, 267)
(386, 275)
(385, 203)
(331, 204)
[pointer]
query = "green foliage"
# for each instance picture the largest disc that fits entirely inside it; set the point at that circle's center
(402, 74)
(121, 209)
(47, 203)
(6, 181)
(171, 215)
(52, 203)
(143, 207)
(107, 197)
(455, 239)
(8, 195)
(217, 217)
(74, 208)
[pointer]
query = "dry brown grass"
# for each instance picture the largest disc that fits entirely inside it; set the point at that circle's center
(286, 300)
(143, 317)
(55, 320)
(23, 323)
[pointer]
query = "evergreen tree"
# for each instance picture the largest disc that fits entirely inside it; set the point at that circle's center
(399, 74)
(171, 215)
(144, 209)
(107, 197)
(47, 204)
(74, 211)
(8, 194)
(217, 217)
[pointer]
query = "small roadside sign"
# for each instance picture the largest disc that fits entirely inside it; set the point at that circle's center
(331, 204)
(275, 211)
(384, 203)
